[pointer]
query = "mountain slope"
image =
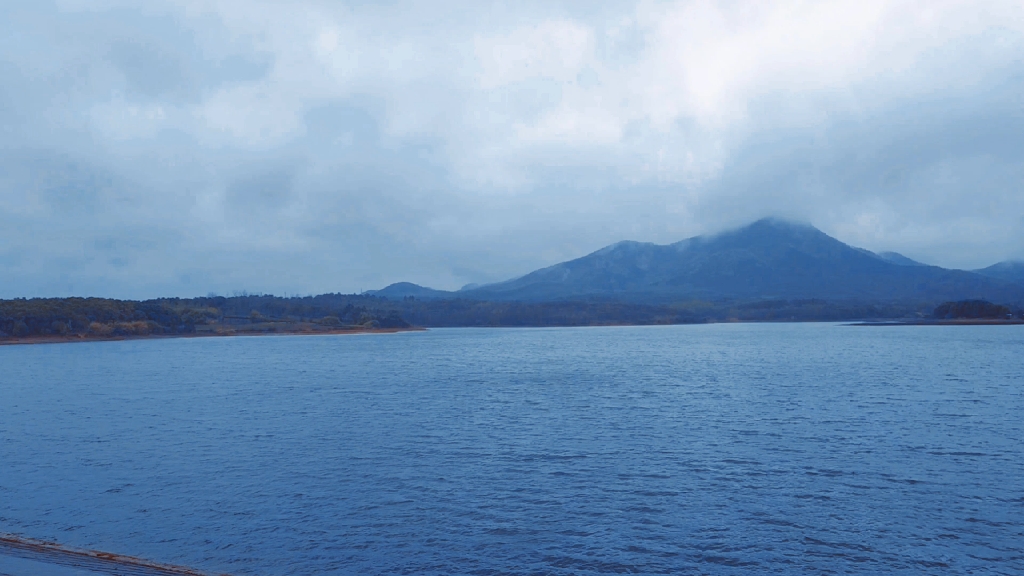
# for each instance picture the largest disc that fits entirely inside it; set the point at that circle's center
(1012, 271)
(897, 258)
(768, 259)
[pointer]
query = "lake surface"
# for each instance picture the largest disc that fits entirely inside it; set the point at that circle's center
(712, 449)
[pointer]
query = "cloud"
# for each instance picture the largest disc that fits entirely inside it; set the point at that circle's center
(184, 147)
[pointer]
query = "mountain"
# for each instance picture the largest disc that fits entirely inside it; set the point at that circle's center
(769, 259)
(400, 290)
(1012, 271)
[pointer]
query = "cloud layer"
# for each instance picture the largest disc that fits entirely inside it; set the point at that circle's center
(193, 147)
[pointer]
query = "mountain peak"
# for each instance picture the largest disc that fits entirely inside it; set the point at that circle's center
(772, 258)
(780, 222)
(772, 232)
(773, 226)
(405, 289)
(769, 258)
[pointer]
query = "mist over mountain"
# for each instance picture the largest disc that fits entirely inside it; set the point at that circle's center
(897, 258)
(768, 259)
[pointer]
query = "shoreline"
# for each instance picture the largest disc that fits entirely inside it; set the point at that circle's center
(54, 554)
(79, 338)
(950, 322)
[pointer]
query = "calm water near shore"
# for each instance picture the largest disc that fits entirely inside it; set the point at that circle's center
(710, 449)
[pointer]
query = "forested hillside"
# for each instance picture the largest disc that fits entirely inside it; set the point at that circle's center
(104, 318)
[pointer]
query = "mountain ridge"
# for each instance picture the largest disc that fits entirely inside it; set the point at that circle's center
(769, 258)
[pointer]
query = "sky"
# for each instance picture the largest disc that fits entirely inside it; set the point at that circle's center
(181, 148)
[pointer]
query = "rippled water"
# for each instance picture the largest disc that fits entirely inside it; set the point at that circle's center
(719, 449)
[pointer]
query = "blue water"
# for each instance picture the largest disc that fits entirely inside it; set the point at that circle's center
(713, 449)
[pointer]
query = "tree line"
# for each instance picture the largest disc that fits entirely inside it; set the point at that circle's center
(104, 317)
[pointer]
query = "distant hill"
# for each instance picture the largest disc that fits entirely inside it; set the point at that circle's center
(1010, 270)
(769, 259)
(401, 290)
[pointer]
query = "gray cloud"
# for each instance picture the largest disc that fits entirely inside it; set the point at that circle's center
(184, 148)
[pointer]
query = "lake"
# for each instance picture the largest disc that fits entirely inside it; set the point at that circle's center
(706, 449)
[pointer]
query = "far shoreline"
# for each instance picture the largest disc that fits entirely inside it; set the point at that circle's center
(80, 338)
(943, 322)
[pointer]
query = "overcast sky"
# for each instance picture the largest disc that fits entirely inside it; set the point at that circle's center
(180, 148)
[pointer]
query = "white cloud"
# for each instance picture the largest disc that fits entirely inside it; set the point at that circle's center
(552, 50)
(492, 138)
